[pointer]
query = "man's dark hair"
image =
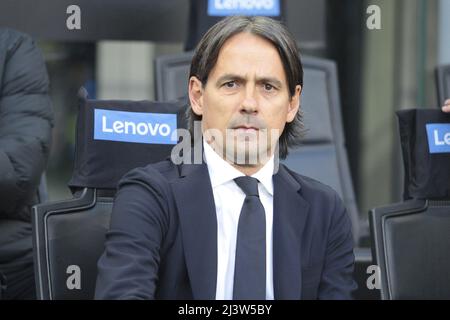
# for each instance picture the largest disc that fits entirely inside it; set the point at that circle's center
(207, 52)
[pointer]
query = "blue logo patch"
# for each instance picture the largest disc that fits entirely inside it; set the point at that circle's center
(438, 137)
(223, 8)
(139, 127)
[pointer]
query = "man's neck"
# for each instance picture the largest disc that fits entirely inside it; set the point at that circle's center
(248, 170)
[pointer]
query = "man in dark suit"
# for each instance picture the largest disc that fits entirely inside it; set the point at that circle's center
(236, 224)
(26, 121)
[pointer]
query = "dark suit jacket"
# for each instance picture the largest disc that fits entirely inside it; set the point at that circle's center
(163, 238)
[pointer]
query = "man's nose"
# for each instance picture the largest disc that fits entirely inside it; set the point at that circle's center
(249, 102)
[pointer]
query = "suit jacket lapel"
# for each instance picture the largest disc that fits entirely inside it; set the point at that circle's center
(290, 210)
(195, 202)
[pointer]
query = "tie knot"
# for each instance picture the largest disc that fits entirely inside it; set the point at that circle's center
(248, 184)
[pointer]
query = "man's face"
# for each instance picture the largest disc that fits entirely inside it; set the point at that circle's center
(245, 103)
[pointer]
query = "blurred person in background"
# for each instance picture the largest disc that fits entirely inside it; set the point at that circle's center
(26, 121)
(446, 107)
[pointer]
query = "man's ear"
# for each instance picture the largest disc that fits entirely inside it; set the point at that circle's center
(294, 104)
(196, 95)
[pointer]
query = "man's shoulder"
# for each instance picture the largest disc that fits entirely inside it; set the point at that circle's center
(14, 42)
(324, 201)
(159, 172)
(312, 188)
(10, 37)
(308, 182)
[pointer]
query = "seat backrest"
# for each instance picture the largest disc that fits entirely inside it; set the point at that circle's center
(323, 155)
(69, 235)
(68, 240)
(411, 245)
(443, 83)
(172, 75)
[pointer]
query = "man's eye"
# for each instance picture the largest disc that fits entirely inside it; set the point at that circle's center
(268, 87)
(230, 84)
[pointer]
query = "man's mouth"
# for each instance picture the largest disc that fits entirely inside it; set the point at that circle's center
(246, 129)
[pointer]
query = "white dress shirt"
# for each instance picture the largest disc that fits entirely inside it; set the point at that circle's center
(228, 199)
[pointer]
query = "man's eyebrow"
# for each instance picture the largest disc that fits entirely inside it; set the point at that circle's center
(271, 80)
(230, 76)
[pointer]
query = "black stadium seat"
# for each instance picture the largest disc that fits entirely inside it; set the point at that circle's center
(69, 235)
(411, 246)
(172, 75)
(443, 83)
(411, 239)
(69, 239)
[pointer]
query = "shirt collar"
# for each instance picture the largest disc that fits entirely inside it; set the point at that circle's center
(221, 172)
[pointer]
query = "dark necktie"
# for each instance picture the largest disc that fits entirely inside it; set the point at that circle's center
(250, 263)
